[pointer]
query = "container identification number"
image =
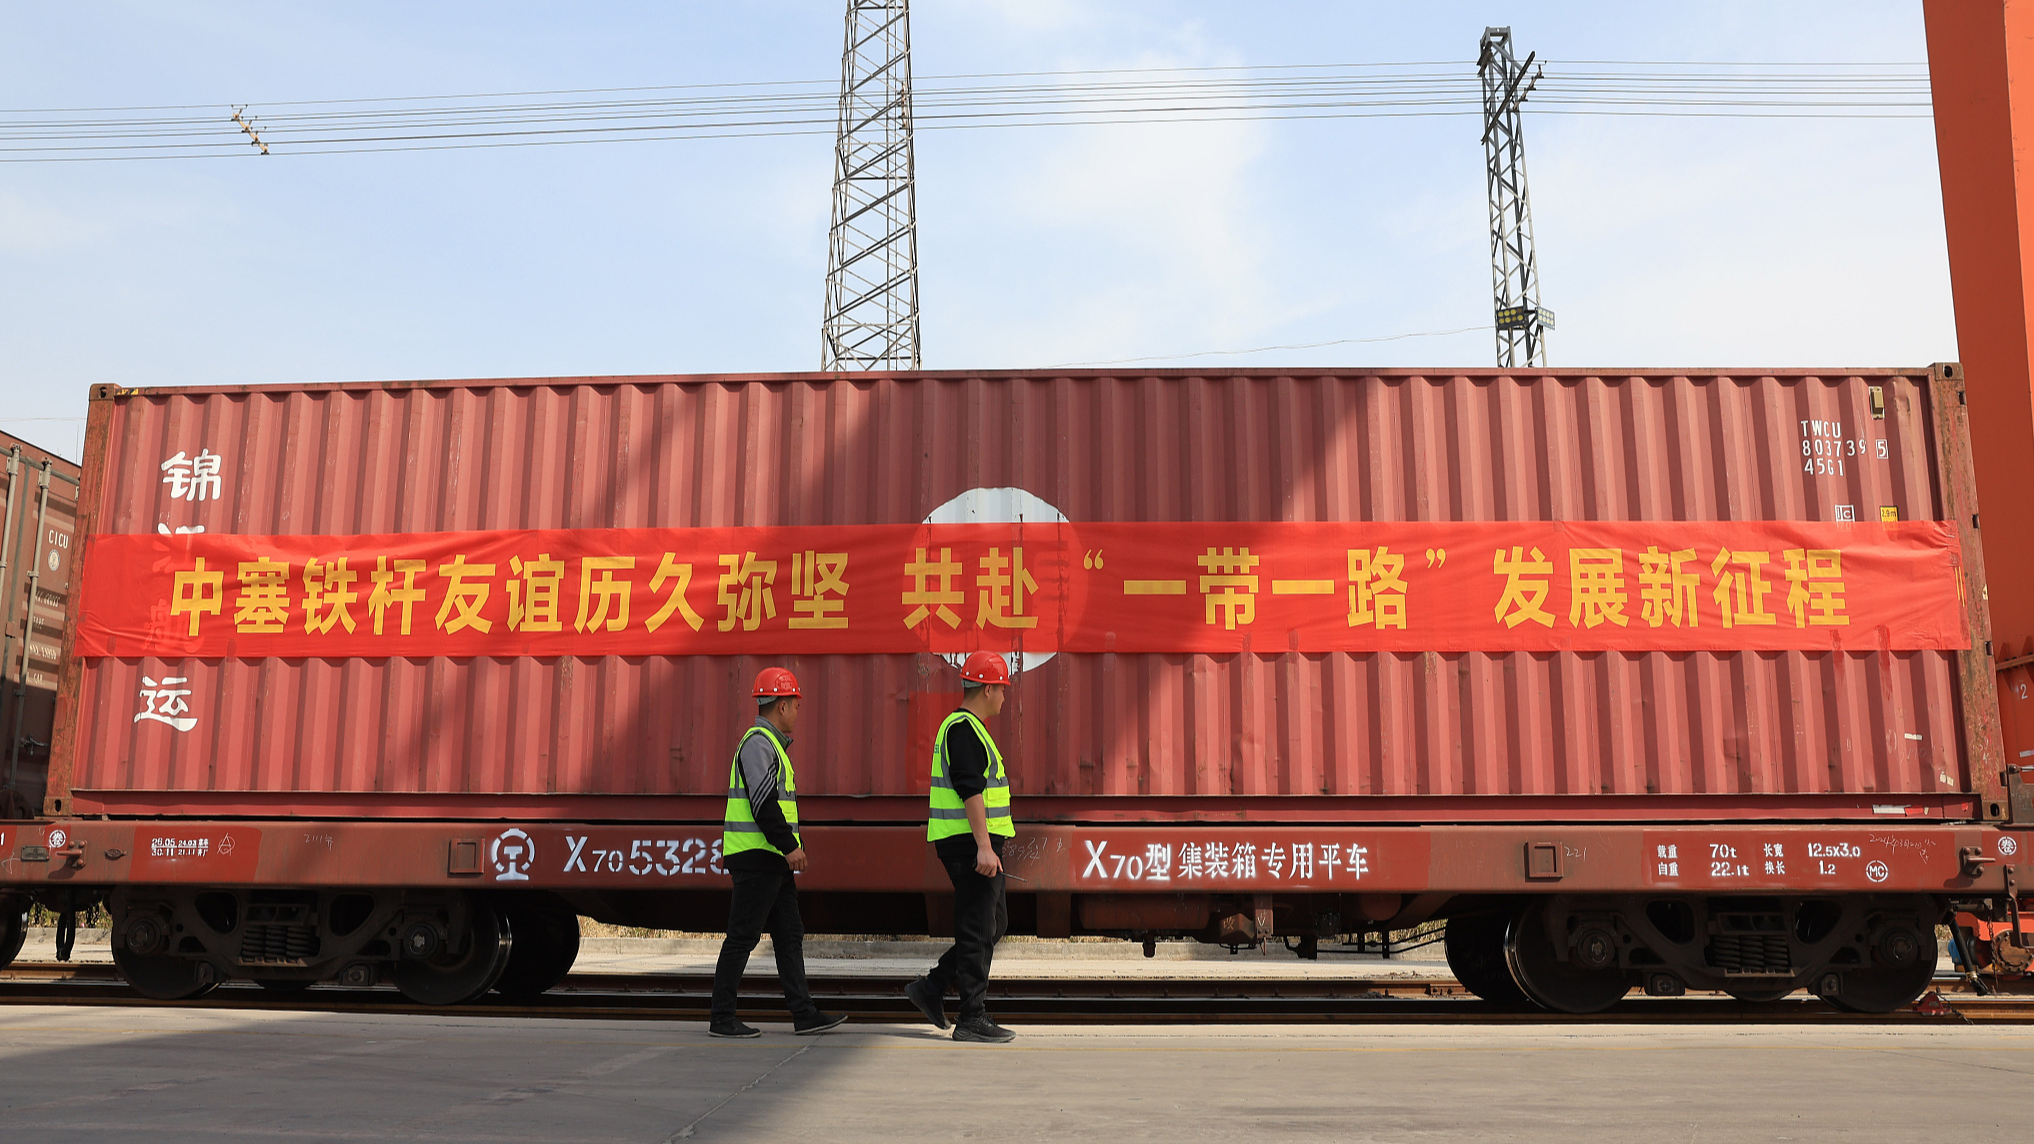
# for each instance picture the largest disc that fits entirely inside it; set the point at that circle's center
(1824, 448)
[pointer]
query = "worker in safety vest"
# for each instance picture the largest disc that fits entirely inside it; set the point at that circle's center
(761, 849)
(968, 827)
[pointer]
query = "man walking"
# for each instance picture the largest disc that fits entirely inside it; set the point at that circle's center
(968, 826)
(761, 849)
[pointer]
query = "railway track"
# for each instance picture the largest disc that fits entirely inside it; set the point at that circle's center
(876, 999)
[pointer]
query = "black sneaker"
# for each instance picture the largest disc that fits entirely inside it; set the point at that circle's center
(982, 1030)
(817, 1023)
(733, 1030)
(928, 1000)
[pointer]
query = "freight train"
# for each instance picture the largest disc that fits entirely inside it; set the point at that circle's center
(1640, 680)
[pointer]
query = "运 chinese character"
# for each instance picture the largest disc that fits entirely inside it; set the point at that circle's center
(596, 581)
(933, 601)
(745, 594)
(463, 598)
(671, 569)
(193, 478)
(1237, 598)
(328, 589)
(1000, 591)
(1741, 594)
(1815, 586)
(1595, 587)
(387, 595)
(819, 590)
(1376, 588)
(1523, 598)
(1666, 593)
(533, 593)
(198, 592)
(165, 703)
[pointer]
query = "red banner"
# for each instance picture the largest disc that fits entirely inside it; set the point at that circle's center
(1098, 587)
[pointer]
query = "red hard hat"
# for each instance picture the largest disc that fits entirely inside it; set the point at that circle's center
(985, 667)
(776, 682)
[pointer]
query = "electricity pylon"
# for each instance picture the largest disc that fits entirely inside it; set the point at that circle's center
(1522, 324)
(871, 319)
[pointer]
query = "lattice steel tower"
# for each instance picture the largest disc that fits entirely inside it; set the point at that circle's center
(871, 319)
(1522, 324)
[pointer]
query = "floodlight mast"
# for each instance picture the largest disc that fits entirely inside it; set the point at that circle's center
(1514, 272)
(871, 316)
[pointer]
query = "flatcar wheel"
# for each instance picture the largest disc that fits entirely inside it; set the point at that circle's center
(13, 930)
(1475, 946)
(449, 979)
(546, 945)
(1563, 986)
(165, 978)
(1888, 988)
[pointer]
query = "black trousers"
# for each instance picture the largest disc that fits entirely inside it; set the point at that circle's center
(981, 916)
(763, 900)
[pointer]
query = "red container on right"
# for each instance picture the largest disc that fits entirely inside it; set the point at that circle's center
(1278, 727)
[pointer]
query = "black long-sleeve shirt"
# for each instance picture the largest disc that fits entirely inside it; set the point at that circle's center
(759, 777)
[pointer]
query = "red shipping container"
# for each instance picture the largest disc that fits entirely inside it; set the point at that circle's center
(38, 523)
(1269, 729)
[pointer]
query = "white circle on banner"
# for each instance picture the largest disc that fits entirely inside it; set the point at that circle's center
(2008, 845)
(57, 838)
(1878, 871)
(999, 506)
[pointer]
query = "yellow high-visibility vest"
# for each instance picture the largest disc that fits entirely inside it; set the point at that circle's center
(739, 831)
(949, 815)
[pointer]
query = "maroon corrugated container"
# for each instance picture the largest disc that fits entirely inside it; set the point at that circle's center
(38, 522)
(1270, 735)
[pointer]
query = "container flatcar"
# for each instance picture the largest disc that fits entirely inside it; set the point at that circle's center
(1641, 679)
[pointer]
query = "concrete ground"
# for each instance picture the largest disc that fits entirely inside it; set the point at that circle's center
(185, 1076)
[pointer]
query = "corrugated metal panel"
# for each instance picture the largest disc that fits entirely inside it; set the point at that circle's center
(36, 541)
(1258, 445)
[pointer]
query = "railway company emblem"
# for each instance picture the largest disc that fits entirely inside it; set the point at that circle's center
(57, 838)
(512, 853)
(2008, 845)
(1878, 871)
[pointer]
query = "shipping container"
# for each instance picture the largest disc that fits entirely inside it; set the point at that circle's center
(38, 520)
(503, 631)
(1271, 732)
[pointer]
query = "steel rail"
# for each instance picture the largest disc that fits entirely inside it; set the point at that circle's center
(1085, 1001)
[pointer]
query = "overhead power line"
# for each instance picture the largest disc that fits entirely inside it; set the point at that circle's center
(984, 101)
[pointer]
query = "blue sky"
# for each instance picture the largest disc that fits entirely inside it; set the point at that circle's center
(1662, 242)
